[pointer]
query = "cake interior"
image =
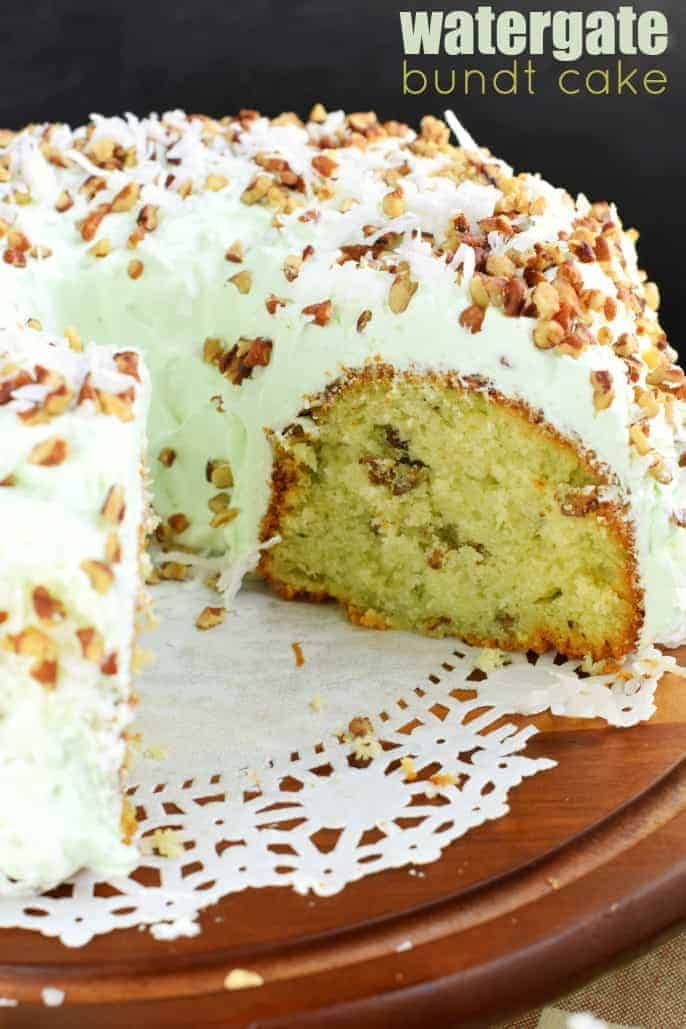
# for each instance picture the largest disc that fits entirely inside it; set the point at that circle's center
(421, 504)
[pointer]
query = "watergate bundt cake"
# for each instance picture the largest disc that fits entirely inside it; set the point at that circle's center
(385, 369)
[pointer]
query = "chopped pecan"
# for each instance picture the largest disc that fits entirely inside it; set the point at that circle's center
(17, 258)
(291, 267)
(394, 203)
(625, 345)
(237, 364)
(403, 288)
(91, 223)
(32, 642)
(92, 644)
(639, 438)
(50, 452)
(148, 218)
(47, 607)
(100, 575)
(660, 471)
(126, 198)
(112, 552)
(363, 320)
(127, 363)
(178, 522)
(547, 300)
(318, 114)
(603, 393)
(119, 405)
(166, 456)
(215, 182)
(573, 344)
(472, 318)
(109, 665)
(514, 296)
(257, 189)
(64, 201)
(234, 253)
(102, 248)
(578, 503)
(324, 165)
(114, 506)
(212, 350)
(219, 473)
(224, 516)
(44, 672)
(242, 281)
(173, 570)
(209, 617)
(272, 303)
(321, 312)
(548, 334)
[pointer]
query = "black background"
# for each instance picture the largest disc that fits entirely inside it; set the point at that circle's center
(62, 59)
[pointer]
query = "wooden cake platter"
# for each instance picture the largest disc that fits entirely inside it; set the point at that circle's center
(588, 868)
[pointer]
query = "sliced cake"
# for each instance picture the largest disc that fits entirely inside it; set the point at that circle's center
(437, 389)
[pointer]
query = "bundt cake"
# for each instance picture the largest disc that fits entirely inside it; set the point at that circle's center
(385, 369)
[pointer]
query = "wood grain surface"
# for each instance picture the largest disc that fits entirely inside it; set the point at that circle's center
(589, 867)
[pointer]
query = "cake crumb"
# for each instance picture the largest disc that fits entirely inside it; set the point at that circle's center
(242, 979)
(316, 703)
(488, 659)
(164, 842)
(52, 997)
(176, 929)
(141, 658)
(155, 752)
(407, 765)
(299, 656)
(361, 734)
(209, 617)
(591, 667)
(212, 581)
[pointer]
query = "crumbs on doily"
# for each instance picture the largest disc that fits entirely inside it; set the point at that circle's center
(364, 743)
(164, 842)
(242, 979)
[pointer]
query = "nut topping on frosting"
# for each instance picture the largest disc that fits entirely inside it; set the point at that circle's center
(99, 574)
(114, 506)
(238, 363)
(47, 607)
(472, 318)
(320, 313)
(603, 393)
(50, 452)
(242, 281)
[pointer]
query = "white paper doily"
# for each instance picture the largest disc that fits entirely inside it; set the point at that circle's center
(243, 762)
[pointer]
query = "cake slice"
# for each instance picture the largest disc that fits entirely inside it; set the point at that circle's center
(72, 511)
